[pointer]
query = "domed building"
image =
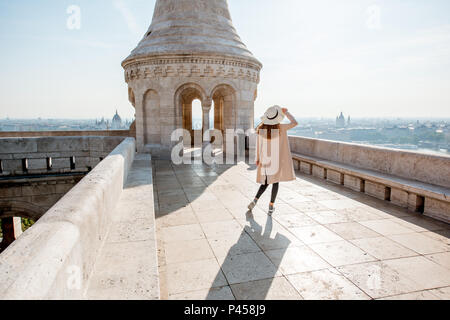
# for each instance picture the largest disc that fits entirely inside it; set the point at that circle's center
(340, 121)
(116, 123)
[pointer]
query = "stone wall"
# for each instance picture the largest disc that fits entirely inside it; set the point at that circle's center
(419, 182)
(31, 198)
(55, 258)
(99, 133)
(425, 168)
(50, 155)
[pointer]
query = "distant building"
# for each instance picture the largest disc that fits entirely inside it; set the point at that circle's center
(102, 124)
(340, 121)
(116, 123)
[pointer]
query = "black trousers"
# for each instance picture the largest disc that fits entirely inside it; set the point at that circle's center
(263, 188)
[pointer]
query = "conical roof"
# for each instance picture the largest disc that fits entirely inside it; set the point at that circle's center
(191, 27)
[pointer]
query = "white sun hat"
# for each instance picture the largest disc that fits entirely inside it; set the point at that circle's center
(274, 115)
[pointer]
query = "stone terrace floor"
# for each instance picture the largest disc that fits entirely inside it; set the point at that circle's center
(324, 241)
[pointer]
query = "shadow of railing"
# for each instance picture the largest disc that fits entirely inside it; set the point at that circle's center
(388, 209)
(193, 177)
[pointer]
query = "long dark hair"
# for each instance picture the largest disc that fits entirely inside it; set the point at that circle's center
(268, 128)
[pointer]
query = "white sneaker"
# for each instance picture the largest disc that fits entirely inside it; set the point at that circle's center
(271, 210)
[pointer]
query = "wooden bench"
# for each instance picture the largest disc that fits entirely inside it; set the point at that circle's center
(432, 200)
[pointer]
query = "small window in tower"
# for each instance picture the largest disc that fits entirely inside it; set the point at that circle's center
(72, 163)
(49, 163)
(25, 165)
(149, 33)
(197, 115)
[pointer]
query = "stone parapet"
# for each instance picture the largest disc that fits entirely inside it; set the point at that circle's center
(399, 163)
(419, 182)
(45, 155)
(133, 239)
(67, 239)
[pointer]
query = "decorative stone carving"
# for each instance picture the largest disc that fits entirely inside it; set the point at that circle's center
(200, 68)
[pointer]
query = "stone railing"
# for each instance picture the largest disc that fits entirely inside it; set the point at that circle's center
(51, 155)
(420, 182)
(55, 258)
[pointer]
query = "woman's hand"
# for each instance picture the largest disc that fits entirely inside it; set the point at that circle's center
(291, 118)
(257, 163)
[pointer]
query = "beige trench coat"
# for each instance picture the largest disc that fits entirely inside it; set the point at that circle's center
(275, 168)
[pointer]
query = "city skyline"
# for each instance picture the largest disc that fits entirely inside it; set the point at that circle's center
(431, 136)
(371, 58)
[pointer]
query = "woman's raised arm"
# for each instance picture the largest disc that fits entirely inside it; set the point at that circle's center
(291, 118)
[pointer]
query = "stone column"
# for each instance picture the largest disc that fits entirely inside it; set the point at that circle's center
(11, 229)
(245, 110)
(206, 107)
(140, 118)
(217, 118)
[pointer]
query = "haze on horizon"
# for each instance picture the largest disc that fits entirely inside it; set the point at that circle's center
(385, 58)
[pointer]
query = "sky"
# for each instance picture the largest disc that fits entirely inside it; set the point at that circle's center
(377, 58)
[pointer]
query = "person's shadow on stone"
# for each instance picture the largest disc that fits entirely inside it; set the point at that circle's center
(247, 268)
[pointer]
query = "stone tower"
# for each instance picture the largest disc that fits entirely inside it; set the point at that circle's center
(190, 51)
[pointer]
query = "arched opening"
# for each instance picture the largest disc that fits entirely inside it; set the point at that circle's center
(223, 97)
(131, 97)
(197, 115)
(189, 99)
(211, 117)
(15, 218)
(152, 119)
(11, 228)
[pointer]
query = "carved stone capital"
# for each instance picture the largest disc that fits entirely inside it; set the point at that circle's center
(207, 104)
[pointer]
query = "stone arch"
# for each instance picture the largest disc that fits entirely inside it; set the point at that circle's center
(222, 82)
(131, 97)
(20, 209)
(11, 226)
(152, 117)
(185, 88)
(184, 96)
(149, 84)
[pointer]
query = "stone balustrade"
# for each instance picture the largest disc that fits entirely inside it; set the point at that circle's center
(420, 182)
(51, 155)
(55, 258)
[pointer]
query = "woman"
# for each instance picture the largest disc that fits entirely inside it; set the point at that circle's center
(277, 166)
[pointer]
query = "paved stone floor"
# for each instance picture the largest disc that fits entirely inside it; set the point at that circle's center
(324, 241)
